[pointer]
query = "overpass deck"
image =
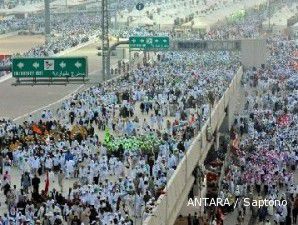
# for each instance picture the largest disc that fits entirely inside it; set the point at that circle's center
(168, 205)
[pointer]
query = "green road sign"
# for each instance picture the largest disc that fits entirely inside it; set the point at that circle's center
(67, 67)
(149, 43)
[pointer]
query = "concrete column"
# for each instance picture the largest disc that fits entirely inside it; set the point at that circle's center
(216, 141)
(225, 126)
(202, 194)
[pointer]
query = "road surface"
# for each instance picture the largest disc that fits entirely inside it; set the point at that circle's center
(19, 43)
(17, 101)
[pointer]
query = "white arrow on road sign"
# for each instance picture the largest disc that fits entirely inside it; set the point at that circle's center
(142, 40)
(62, 64)
(20, 65)
(133, 40)
(78, 64)
(35, 65)
(165, 40)
(156, 40)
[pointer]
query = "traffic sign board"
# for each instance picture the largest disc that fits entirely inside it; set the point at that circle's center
(149, 43)
(140, 6)
(66, 67)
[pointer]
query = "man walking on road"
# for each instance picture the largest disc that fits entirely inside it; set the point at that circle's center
(35, 184)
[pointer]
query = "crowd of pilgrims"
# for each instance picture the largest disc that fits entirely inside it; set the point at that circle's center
(83, 21)
(80, 28)
(167, 98)
(70, 30)
(263, 160)
(125, 4)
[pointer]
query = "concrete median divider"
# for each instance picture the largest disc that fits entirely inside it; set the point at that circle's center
(9, 34)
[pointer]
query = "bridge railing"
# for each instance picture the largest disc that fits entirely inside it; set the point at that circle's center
(169, 204)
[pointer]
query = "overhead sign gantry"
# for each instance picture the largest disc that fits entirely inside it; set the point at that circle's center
(148, 43)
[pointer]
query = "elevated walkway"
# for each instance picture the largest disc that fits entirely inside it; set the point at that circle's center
(168, 205)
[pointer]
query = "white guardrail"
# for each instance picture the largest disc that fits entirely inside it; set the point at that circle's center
(168, 205)
(9, 34)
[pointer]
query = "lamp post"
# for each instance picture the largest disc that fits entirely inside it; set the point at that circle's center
(269, 14)
(47, 17)
(105, 40)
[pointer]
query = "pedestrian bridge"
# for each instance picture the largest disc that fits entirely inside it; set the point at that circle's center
(169, 204)
(253, 51)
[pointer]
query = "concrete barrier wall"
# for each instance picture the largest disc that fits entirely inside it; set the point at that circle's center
(9, 34)
(293, 20)
(92, 39)
(169, 204)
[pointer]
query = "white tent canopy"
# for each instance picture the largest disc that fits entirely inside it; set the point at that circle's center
(200, 23)
(142, 21)
(295, 25)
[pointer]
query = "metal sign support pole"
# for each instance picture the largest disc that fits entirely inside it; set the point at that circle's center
(130, 63)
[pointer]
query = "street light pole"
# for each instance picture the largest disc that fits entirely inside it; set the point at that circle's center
(116, 11)
(105, 40)
(269, 14)
(47, 17)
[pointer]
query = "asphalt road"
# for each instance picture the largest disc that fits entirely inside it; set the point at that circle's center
(19, 43)
(17, 101)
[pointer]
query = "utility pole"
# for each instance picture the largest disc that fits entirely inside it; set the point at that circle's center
(116, 11)
(47, 17)
(105, 40)
(269, 14)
